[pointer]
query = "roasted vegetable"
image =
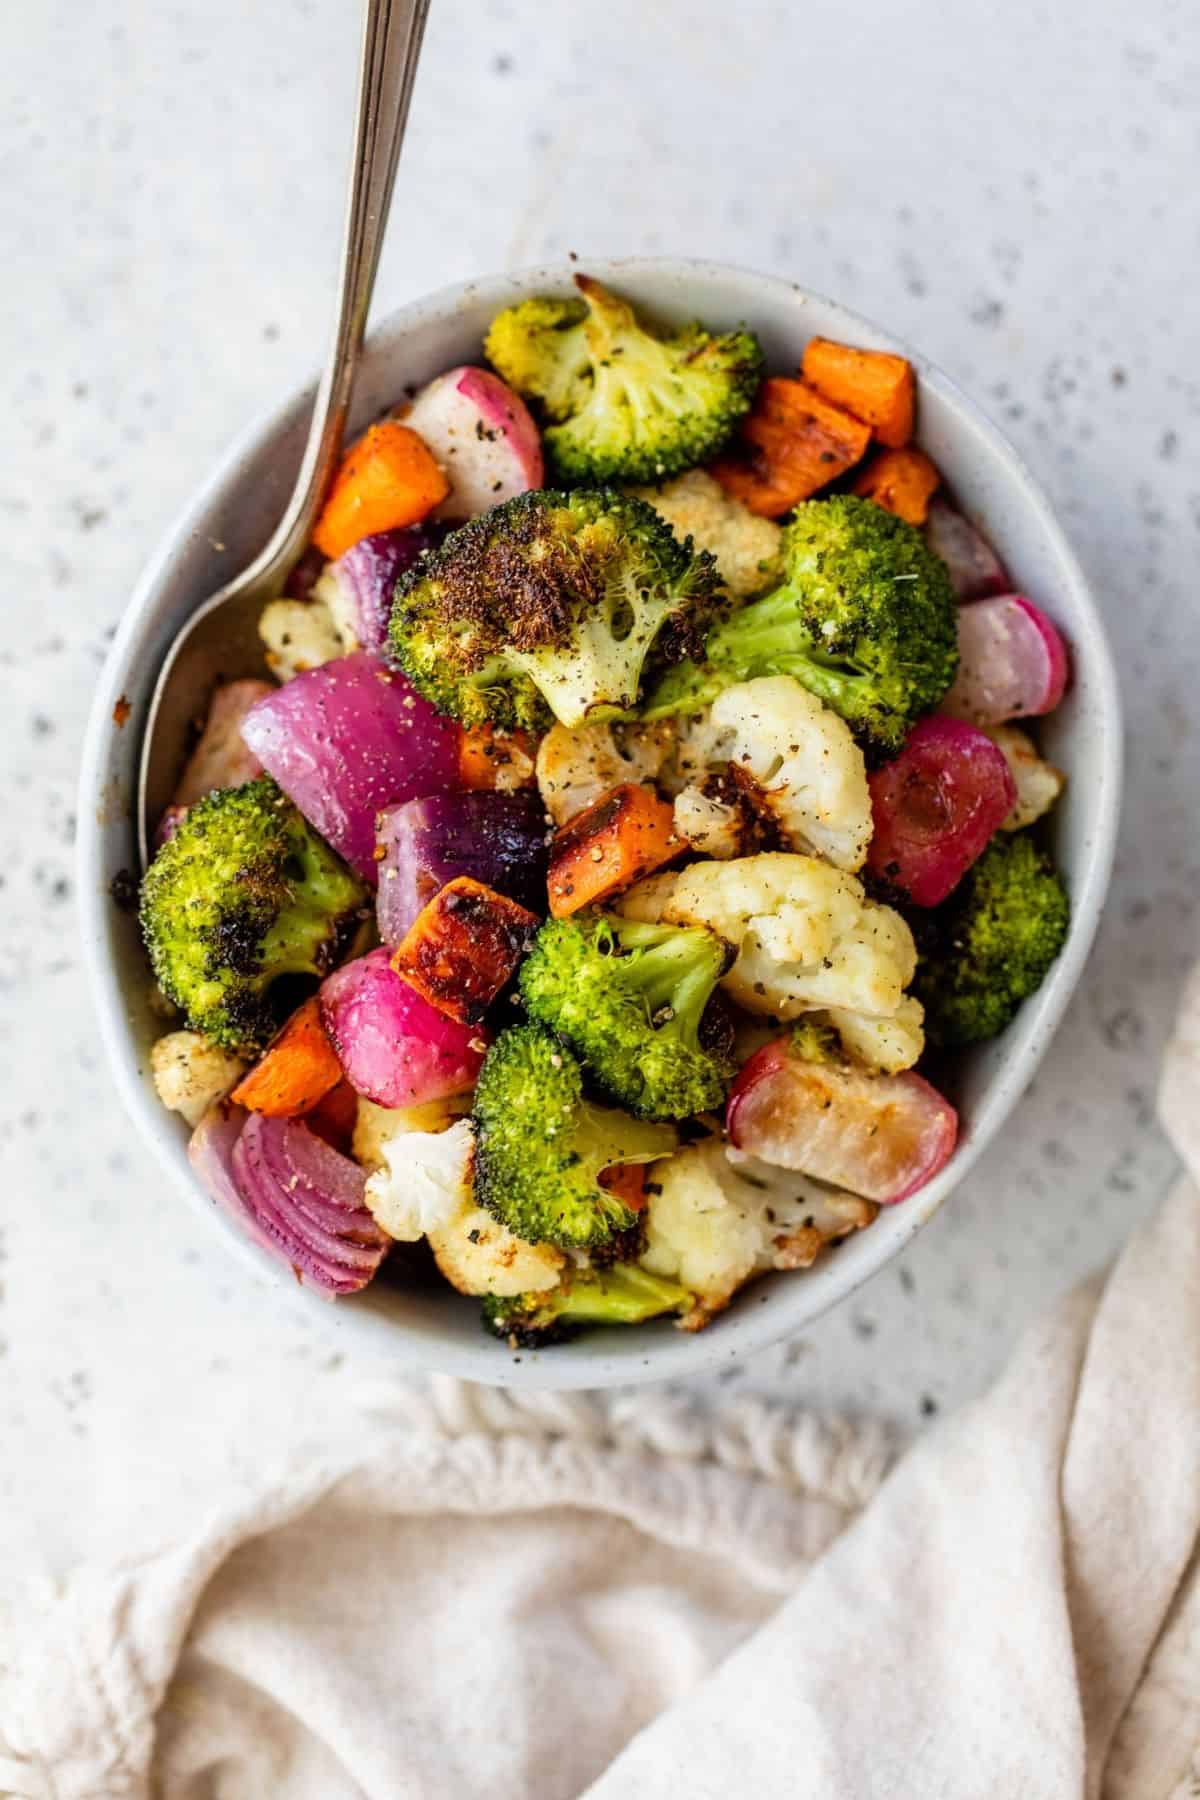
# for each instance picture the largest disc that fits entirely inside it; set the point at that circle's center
(297, 1069)
(901, 481)
(875, 385)
(484, 440)
(540, 1147)
(716, 1218)
(806, 937)
(626, 404)
(629, 1000)
(793, 443)
(865, 619)
(463, 946)
(243, 894)
(991, 945)
(746, 546)
(549, 606)
(936, 806)
(620, 1295)
(388, 479)
(792, 758)
(609, 846)
(880, 1136)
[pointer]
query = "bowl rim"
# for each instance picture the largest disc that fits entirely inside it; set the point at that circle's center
(680, 1354)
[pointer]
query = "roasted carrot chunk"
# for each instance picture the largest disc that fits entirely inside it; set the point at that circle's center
(462, 947)
(903, 481)
(333, 1118)
(609, 846)
(298, 1068)
(874, 385)
(793, 442)
(388, 479)
(488, 758)
(628, 1182)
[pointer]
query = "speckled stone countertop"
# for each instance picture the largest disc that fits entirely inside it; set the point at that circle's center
(1011, 190)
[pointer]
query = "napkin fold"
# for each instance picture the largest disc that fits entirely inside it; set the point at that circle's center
(467, 1594)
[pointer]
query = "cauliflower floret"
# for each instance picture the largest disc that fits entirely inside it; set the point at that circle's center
(299, 635)
(1038, 783)
(798, 759)
(420, 1186)
(885, 1045)
(190, 1073)
(479, 1255)
(805, 933)
(716, 1217)
(423, 1181)
(576, 767)
(339, 603)
(708, 824)
(375, 1126)
(747, 548)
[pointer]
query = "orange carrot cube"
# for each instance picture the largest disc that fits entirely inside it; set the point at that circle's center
(296, 1070)
(610, 845)
(874, 385)
(386, 480)
(903, 481)
(463, 946)
(792, 443)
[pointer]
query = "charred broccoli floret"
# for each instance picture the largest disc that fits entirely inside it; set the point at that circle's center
(622, 1295)
(626, 404)
(990, 945)
(548, 606)
(865, 618)
(628, 999)
(541, 1147)
(243, 893)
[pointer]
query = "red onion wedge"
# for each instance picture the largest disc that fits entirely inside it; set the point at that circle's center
(395, 1048)
(347, 739)
(936, 806)
(295, 1197)
(879, 1136)
(499, 839)
(365, 579)
(1012, 662)
(975, 569)
(483, 436)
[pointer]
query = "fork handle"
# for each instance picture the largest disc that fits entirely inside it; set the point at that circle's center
(391, 45)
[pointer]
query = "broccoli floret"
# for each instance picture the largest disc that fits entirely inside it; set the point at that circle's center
(540, 1147)
(548, 606)
(622, 1295)
(989, 946)
(628, 998)
(540, 347)
(629, 405)
(865, 618)
(243, 893)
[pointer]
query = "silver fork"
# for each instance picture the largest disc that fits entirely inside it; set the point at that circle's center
(221, 634)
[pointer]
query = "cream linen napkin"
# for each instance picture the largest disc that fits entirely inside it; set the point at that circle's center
(467, 1596)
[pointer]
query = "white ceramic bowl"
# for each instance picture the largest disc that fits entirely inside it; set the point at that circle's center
(236, 509)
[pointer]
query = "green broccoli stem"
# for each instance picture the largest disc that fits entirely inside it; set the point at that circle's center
(622, 1295)
(604, 1137)
(675, 971)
